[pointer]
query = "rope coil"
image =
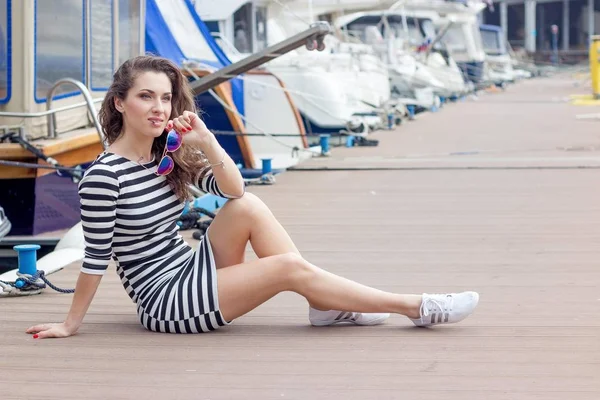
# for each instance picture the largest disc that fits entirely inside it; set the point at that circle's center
(29, 284)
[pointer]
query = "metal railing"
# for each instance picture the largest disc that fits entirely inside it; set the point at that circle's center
(10, 114)
(88, 100)
(51, 113)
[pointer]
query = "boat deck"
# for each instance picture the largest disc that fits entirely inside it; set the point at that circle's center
(498, 195)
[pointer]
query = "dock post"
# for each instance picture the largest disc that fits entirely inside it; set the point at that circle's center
(324, 141)
(27, 259)
(266, 165)
(595, 65)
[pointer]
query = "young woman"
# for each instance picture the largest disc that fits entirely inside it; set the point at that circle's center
(133, 194)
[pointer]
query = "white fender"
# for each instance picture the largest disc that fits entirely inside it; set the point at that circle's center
(69, 249)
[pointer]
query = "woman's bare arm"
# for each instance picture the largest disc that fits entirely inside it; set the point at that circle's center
(227, 174)
(224, 170)
(85, 290)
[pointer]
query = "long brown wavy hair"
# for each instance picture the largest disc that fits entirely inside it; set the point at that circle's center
(188, 163)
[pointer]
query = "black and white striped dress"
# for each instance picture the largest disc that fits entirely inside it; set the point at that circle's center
(130, 214)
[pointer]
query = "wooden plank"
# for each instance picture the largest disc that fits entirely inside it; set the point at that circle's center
(75, 148)
(10, 172)
(65, 143)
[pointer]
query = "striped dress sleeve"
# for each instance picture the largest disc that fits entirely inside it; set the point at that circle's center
(98, 192)
(208, 183)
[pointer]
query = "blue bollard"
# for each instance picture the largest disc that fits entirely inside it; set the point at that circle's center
(390, 121)
(266, 165)
(27, 258)
(411, 112)
(324, 141)
(350, 141)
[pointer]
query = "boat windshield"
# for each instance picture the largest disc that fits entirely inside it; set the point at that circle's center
(415, 37)
(491, 42)
(455, 39)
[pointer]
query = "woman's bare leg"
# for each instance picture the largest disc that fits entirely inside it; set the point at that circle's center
(244, 287)
(242, 220)
(249, 219)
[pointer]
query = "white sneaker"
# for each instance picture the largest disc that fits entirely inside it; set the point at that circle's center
(446, 308)
(325, 318)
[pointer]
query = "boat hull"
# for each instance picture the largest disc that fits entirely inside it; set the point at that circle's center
(39, 205)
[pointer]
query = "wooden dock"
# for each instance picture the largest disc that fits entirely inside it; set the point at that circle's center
(498, 195)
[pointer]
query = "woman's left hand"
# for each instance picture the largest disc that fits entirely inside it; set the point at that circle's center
(192, 128)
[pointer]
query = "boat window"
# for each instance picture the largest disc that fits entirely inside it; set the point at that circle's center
(58, 45)
(491, 41)
(358, 28)
(455, 39)
(242, 28)
(5, 57)
(101, 37)
(412, 33)
(129, 29)
(428, 28)
(261, 28)
(213, 26)
(415, 37)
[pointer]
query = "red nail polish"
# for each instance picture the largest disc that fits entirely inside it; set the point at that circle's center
(35, 336)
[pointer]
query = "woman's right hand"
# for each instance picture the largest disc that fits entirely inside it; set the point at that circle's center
(44, 331)
(84, 292)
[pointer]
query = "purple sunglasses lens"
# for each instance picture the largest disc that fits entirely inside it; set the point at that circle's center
(165, 166)
(173, 140)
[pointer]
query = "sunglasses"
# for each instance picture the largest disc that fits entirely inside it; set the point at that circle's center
(166, 164)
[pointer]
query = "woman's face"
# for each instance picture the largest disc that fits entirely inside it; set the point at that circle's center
(147, 107)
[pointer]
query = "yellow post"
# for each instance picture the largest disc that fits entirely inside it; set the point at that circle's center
(595, 65)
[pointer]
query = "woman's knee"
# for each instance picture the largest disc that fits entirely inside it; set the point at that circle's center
(249, 198)
(248, 204)
(295, 268)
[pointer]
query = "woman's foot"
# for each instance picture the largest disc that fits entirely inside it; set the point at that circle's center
(326, 318)
(446, 308)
